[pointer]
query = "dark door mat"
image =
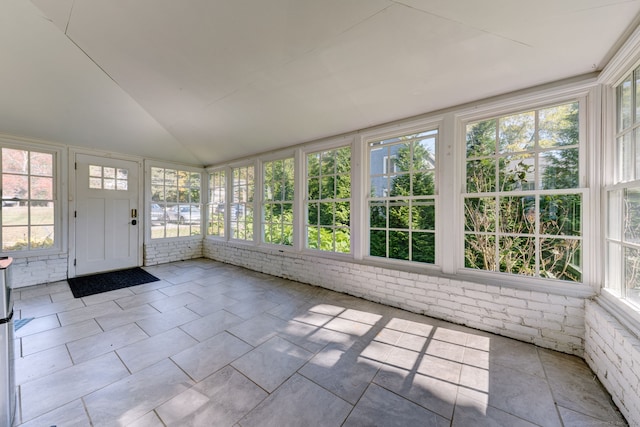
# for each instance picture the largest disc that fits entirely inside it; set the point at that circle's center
(97, 283)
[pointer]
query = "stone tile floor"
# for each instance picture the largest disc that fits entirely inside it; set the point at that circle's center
(216, 345)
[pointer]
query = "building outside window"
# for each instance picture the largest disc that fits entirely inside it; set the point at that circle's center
(29, 200)
(328, 200)
(175, 203)
(402, 196)
(277, 201)
(523, 203)
(623, 196)
(217, 203)
(241, 209)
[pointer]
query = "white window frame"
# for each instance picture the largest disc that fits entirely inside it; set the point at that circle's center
(410, 128)
(253, 204)
(623, 63)
(60, 211)
(586, 93)
(210, 203)
(148, 199)
(273, 157)
(301, 197)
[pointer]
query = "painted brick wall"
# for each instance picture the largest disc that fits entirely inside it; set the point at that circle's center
(40, 269)
(545, 319)
(161, 252)
(613, 353)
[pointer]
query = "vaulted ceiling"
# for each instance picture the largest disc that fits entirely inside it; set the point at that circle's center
(206, 81)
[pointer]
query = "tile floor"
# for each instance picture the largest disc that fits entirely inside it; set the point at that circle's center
(216, 345)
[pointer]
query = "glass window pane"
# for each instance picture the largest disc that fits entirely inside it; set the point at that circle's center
(481, 176)
(632, 270)
(559, 169)
(326, 213)
(328, 163)
(95, 171)
(41, 164)
(399, 245)
(41, 188)
(17, 214)
(378, 243)
(423, 247)
(42, 237)
(343, 240)
(480, 251)
(327, 190)
(109, 172)
(517, 173)
(399, 214)
(516, 132)
(624, 95)
(481, 139)
(423, 215)
(518, 214)
(614, 224)
(423, 184)
(378, 214)
(614, 269)
(95, 183)
(313, 164)
(632, 215)
(424, 154)
(480, 214)
(517, 255)
(15, 186)
(561, 214)
(626, 158)
(15, 238)
(558, 126)
(109, 184)
(122, 184)
(560, 259)
(15, 161)
(42, 213)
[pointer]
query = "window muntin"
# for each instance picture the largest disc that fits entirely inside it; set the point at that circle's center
(29, 203)
(402, 196)
(175, 206)
(217, 203)
(623, 197)
(523, 203)
(241, 212)
(328, 200)
(277, 201)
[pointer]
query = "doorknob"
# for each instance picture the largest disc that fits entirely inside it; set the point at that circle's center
(134, 222)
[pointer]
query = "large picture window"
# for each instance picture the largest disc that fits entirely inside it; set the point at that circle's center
(277, 201)
(402, 182)
(623, 196)
(328, 200)
(175, 203)
(523, 203)
(28, 200)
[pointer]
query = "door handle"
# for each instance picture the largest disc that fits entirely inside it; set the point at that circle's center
(134, 222)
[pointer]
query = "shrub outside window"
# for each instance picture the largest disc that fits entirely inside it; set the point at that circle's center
(277, 202)
(623, 196)
(328, 200)
(402, 183)
(217, 203)
(523, 203)
(175, 203)
(29, 203)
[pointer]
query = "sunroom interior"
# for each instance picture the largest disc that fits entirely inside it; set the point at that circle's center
(477, 164)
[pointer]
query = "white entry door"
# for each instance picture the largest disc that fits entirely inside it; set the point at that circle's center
(106, 217)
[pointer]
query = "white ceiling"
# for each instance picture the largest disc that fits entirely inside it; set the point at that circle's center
(205, 81)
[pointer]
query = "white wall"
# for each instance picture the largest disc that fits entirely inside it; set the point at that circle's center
(613, 353)
(163, 251)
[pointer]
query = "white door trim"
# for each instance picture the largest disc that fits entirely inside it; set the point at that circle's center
(73, 152)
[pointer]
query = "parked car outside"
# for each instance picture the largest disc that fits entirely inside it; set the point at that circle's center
(184, 214)
(158, 215)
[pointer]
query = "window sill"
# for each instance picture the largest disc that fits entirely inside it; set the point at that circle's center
(623, 311)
